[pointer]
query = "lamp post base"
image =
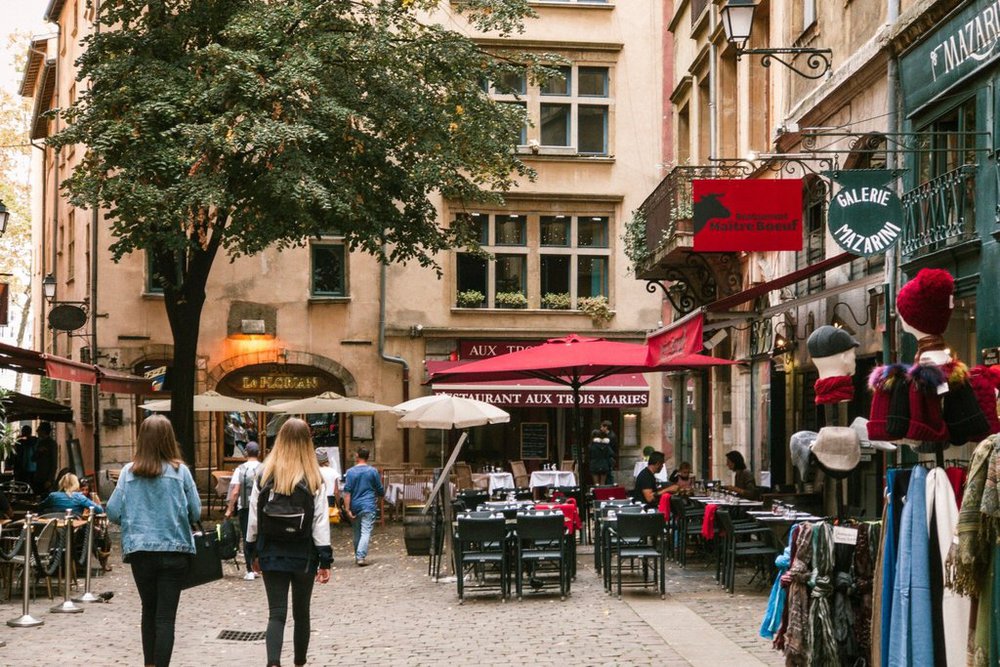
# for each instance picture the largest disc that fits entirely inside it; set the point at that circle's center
(88, 597)
(66, 607)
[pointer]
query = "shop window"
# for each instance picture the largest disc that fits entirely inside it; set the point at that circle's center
(947, 143)
(329, 270)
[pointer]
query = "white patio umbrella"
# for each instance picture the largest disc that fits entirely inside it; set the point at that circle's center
(447, 412)
(328, 401)
(213, 401)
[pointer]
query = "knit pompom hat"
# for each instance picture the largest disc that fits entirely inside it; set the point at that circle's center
(882, 381)
(926, 422)
(926, 302)
(984, 381)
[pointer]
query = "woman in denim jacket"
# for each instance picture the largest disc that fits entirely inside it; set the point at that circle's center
(155, 503)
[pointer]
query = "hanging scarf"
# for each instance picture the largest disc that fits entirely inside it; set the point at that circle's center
(953, 622)
(834, 389)
(968, 560)
(911, 640)
(796, 638)
(776, 601)
(823, 645)
(861, 594)
(779, 640)
(877, 599)
(956, 477)
(843, 608)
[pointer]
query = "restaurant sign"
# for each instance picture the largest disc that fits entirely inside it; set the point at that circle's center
(955, 50)
(486, 349)
(730, 215)
(272, 383)
(544, 397)
(865, 216)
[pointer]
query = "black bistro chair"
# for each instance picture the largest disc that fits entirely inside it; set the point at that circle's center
(742, 540)
(686, 517)
(481, 543)
(644, 537)
(542, 538)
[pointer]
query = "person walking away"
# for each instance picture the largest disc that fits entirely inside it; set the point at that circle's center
(288, 535)
(362, 489)
(155, 502)
(329, 477)
(46, 459)
(240, 488)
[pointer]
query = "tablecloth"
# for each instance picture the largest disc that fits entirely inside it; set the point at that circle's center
(492, 480)
(552, 478)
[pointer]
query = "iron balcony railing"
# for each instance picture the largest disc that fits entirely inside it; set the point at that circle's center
(940, 213)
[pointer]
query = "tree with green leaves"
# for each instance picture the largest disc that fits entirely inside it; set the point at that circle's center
(235, 125)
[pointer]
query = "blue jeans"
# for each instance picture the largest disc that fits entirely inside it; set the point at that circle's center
(362, 525)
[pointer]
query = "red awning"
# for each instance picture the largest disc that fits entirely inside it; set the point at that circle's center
(21, 360)
(683, 336)
(628, 390)
(727, 303)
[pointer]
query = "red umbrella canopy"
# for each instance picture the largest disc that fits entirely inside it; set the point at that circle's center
(572, 359)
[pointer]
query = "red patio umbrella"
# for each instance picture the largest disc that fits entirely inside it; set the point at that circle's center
(575, 361)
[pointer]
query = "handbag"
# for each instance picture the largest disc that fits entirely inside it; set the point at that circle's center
(206, 565)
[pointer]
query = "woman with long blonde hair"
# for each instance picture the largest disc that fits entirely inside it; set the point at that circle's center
(288, 536)
(155, 502)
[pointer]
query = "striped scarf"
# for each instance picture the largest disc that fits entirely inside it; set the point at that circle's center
(796, 638)
(822, 648)
(969, 559)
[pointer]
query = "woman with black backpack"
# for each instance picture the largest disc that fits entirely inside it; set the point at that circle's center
(288, 535)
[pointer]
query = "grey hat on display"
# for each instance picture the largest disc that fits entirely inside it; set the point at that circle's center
(860, 426)
(829, 340)
(837, 450)
(800, 444)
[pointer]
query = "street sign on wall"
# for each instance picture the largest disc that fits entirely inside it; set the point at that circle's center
(752, 214)
(865, 216)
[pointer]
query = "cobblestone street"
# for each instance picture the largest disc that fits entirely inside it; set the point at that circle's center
(391, 613)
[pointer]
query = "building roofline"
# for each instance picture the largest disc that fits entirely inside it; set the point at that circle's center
(37, 52)
(54, 10)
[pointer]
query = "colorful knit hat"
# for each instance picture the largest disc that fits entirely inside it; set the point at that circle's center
(926, 302)
(881, 382)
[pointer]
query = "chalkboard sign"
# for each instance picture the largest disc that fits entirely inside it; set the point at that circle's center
(535, 440)
(75, 457)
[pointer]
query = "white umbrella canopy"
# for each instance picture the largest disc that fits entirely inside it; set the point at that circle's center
(213, 401)
(445, 411)
(328, 401)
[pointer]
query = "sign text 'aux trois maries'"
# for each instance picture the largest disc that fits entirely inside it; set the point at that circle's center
(730, 215)
(865, 215)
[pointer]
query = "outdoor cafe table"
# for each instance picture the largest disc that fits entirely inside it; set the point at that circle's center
(552, 478)
(493, 480)
(729, 502)
(781, 524)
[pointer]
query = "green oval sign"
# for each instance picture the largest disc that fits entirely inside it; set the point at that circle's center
(865, 216)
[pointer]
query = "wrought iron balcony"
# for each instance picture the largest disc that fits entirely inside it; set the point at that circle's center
(940, 213)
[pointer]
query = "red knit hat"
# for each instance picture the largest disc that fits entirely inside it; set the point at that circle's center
(984, 381)
(926, 302)
(882, 381)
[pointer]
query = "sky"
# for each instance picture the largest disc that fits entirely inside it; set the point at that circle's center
(18, 16)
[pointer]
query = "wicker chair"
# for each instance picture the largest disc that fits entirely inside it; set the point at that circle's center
(463, 476)
(520, 474)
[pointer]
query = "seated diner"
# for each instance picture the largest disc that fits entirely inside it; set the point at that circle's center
(645, 490)
(743, 483)
(681, 480)
(68, 497)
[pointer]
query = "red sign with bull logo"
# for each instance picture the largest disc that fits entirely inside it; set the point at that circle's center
(755, 214)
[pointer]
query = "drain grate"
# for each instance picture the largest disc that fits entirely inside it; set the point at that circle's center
(240, 636)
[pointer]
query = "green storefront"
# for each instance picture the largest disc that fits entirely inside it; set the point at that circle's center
(950, 95)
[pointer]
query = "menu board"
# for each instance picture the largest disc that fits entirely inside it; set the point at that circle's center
(535, 440)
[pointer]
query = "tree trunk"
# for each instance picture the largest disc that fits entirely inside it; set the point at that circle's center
(183, 275)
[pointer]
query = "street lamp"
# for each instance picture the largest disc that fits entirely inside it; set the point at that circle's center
(737, 21)
(49, 287)
(4, 217)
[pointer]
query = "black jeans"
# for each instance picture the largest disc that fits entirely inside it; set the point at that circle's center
(276, 585)
(158, 578)
(244, 515)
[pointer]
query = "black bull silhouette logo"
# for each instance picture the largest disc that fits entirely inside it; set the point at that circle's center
(708, 208)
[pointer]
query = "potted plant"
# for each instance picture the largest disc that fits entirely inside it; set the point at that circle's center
(556, 301)
(597, 307)
(471, 299)
(511, 300)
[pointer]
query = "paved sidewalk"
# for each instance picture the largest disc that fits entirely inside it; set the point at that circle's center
(391, 613)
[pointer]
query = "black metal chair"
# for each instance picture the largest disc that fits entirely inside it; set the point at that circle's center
(751, 541)
(542, 538)
(471, 499)
(687, 517)
(481, 542)
(612, 540)
(643, 536)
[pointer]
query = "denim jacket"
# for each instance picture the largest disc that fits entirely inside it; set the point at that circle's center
(156, 513)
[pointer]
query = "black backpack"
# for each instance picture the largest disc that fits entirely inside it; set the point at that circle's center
(285, 518)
